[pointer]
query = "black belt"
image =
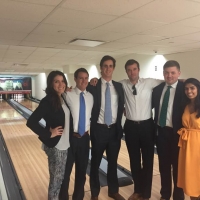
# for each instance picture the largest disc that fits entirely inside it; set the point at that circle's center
(140, 121)
(77, 135)
(106, 126)
(165, 127)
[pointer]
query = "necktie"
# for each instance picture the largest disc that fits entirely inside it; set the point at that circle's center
(108, 111)
(81, 123)
(134, 90)
(163, 111)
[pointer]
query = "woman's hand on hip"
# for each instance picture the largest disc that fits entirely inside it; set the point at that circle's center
(56, 131)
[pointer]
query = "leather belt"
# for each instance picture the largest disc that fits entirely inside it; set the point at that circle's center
(105, 125)
(139, 122)
(166, 127)
(77, 135)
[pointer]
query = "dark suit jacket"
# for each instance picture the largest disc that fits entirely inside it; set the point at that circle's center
(177, 108)
(96, 92)
(53, 119)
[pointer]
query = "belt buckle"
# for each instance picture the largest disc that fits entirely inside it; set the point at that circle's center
(77, 135)
(109, 126)
(136, 122)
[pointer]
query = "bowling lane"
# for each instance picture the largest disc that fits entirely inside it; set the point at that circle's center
(31, 162)
(31, 105)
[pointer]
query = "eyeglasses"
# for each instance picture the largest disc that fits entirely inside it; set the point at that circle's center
(134, 90)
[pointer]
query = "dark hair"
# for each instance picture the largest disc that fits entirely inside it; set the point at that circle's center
(80, 70)
(131, 62)
(105, 58)
(55, 99)
(171, 63)
(186, 100)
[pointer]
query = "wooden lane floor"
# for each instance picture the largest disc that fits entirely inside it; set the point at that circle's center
(30, 161)
(8, 115)
(31, 105)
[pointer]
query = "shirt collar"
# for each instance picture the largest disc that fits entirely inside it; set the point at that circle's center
(104, 81)
(173, 85)
(139, 80)
(79, 91)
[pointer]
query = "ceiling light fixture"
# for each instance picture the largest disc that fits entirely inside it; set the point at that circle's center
(86, 43)
(9, 70)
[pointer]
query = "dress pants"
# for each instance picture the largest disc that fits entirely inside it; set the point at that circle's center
(104, 138)
(78, 153)
(167, 147)
(139, 137)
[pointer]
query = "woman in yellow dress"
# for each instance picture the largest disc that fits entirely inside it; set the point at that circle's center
(189, 142)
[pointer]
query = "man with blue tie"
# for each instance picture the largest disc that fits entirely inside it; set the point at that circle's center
(106, 129)
(166, 100)
(80, 103)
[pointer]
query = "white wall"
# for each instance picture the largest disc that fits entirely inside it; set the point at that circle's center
(189, 62)
(40, 86)
(33, 86)
(147, 66)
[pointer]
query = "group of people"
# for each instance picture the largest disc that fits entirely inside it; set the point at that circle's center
(94, 112)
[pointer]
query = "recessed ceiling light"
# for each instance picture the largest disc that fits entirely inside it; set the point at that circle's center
(86, 43)
(9, 70)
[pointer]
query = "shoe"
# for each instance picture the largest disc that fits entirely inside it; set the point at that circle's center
(135, 196)
(116, 196)
(94, 198)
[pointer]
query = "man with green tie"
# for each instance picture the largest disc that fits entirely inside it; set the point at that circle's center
(166, 100)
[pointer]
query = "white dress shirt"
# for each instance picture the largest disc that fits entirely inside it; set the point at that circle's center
(114, 102)
(170, 104)
(73, 100)
(138, 107)
(63, 143)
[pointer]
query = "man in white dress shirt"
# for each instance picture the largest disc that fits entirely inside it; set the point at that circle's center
(79, 142)
(139, 128)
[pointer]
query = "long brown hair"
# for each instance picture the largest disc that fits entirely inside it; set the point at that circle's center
(55, 99)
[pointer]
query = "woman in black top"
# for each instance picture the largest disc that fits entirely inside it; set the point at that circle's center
(55, 135)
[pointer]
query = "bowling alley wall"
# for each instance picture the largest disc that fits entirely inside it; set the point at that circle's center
(9, 84)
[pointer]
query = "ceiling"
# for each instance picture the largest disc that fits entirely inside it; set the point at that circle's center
(35, 34)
